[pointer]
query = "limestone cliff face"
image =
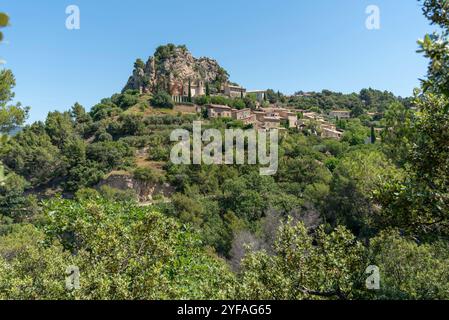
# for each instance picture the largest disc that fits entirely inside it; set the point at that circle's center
(172, 68)
(145, 191)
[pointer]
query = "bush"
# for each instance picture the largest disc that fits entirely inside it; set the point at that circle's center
(117, 195)
(190, 104)
(87, 194)
(126, 100)
(202, 100)
(239, 104)
(104, 136)
(162, 100)
(148, 175)
(109, 155)
(221, 100)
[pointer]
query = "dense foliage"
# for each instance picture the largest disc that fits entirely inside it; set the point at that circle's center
(224, 232)
(368, 100)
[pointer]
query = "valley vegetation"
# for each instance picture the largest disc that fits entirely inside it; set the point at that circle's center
(225, 232)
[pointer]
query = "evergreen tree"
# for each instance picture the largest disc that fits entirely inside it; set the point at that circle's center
(168, 87)
(420, 203)
(139, 64)
(4, 21)
(11, 115)
(207, 89)
(2, 174)
(373, 135)
(190, 91)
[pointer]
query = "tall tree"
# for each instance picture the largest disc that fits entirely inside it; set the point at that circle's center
(11, 116)
(190, 90)
(4, 21)
(420, 203)
(2, 175)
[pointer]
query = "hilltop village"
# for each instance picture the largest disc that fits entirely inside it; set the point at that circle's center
(189, 85)
(281, 118)
(95, 206)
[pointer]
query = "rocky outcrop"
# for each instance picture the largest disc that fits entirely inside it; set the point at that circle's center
(145, 191)
(172, 68)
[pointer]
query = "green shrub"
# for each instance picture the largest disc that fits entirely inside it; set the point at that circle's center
(162, 100)
(148, 175)
(202, 100)
(221, 100)
(113, 194)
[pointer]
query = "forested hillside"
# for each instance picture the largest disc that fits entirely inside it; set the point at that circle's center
(367, 101)
(334, 207)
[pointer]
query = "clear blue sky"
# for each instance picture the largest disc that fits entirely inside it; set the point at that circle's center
(287, 45)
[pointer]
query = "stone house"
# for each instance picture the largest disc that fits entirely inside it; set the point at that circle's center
(283, 114)
(197, 88)
(268, 118)
(244, 115)
(218, 111)
(292, 121)
(328, 130)
(327, 125)
(331, 133)
(241, 114)
(271, 123)
(340, 114)
(290, 117)
(234, 91)
(221, 111)
(312, 116)
(180, 90)
(260, 115)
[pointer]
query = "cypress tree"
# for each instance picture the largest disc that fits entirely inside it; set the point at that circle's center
(168, 87)
(2, 174)
(190, 91)
(373, 135)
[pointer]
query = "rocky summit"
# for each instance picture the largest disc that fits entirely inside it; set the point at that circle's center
(173, 69)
